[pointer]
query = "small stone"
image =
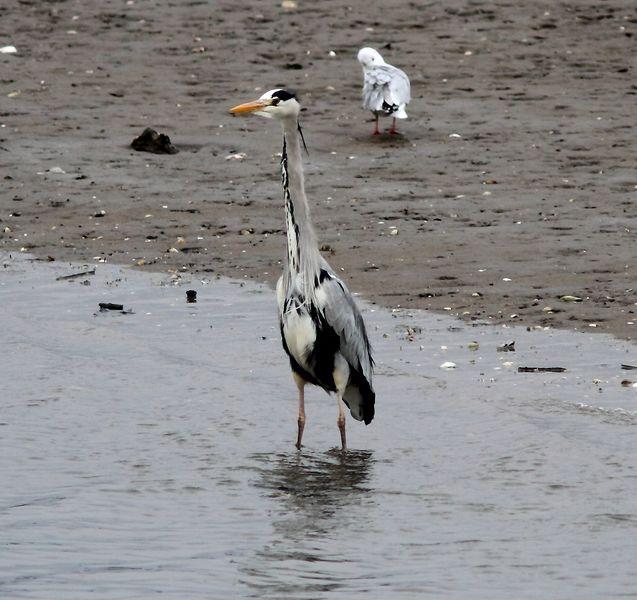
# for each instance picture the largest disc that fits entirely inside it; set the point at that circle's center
(151, 141)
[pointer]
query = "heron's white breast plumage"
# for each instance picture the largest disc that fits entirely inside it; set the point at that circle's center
(298, 328)
(300, 335)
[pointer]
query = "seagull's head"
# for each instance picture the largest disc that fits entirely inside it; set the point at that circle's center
(368, 57)
(277, 104)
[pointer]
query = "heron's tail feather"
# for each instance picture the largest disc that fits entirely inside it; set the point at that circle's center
(360, 397)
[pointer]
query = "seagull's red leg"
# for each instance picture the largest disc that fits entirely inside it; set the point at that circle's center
(376, 132)
(341, 422)
(301, 421)
(393, 129)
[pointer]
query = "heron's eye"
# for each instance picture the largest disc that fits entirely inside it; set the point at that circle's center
(275, 101)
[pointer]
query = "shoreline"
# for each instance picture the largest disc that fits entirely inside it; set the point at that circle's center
(533, 202)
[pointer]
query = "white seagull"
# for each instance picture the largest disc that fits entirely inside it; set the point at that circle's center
(386, 89)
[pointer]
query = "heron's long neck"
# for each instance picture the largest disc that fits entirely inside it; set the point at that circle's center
(303, 255)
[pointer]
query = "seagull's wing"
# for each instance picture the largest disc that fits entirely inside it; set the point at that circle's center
(387, 85)
(375, 82)
(399, 87)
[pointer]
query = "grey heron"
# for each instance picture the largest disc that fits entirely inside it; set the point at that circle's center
(386, 89)
(322, 329)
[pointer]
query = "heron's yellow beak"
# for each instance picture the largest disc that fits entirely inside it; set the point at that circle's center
(250, 106)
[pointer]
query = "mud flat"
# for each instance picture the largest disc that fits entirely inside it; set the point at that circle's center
(514, 184)
(151, 450)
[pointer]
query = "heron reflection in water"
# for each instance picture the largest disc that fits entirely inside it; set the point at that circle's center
(316, 496)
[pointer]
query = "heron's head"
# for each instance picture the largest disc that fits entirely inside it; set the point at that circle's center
(368, 57)
(277, 104)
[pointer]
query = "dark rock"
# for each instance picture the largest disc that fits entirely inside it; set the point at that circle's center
(151, 141)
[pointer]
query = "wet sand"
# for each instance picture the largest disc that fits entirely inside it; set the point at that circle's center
(535, 200)
(152, 452)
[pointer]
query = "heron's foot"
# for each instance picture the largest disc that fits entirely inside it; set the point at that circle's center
(376, 132)
(393, 132)
(299, 437)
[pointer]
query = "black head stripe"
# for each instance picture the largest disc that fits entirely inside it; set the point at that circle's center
(283, 95)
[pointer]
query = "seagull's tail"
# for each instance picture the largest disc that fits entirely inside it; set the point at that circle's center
(400, 113)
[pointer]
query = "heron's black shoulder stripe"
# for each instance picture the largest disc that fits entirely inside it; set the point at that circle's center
(283, 95)
(321, 277)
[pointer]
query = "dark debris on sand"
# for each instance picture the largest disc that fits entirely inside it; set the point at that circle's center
(151, 141)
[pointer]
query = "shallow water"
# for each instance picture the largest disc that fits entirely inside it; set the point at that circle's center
(153, 452)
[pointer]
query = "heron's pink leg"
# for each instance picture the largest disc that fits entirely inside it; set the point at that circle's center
(341, 422)
(301, 421)
(376, 132)
(393, 129)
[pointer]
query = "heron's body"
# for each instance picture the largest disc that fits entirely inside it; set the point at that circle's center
(386, 89)
(322, 329)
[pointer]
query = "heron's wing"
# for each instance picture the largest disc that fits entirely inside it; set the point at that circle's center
(342, 314)
(385, 84)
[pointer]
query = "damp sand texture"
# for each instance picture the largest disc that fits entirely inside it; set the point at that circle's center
(513, 183)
